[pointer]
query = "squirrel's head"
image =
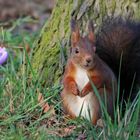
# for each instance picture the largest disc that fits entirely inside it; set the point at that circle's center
(83, 48)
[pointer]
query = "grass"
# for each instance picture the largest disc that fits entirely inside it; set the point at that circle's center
(21, 116)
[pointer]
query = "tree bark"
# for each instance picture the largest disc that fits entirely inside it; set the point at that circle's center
(50, 51)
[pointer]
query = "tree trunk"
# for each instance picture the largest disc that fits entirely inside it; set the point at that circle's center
(48, 57)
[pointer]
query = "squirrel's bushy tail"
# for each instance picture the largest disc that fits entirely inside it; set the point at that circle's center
(118, 37)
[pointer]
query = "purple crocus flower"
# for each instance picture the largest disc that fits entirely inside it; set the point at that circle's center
(3, 55)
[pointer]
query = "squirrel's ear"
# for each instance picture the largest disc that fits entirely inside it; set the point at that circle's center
(75, 32)
(94, 48)
(91, 35)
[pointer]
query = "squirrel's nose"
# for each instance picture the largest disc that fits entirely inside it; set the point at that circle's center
(88, 60)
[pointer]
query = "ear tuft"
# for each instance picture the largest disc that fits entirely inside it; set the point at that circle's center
(75, 32)
(90, 26)
(73, 25)
(91, 35)
(94, 49)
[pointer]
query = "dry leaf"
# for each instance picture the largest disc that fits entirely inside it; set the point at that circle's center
(3, 117)
(62, 132)
(69, 130)
(100, 123)
(27, 47)
(81, 137)
(45, 106)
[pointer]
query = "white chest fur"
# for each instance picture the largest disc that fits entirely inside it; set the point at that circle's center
(81, 78)
(82, 105)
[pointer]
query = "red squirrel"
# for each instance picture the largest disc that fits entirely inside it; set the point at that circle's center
(83, 67)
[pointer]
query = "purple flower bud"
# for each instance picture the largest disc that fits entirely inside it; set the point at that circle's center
(3, 55)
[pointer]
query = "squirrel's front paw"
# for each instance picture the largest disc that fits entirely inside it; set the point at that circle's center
(84, 92)
(74, 88)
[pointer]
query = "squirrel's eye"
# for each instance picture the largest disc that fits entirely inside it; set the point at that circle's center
(76, 50)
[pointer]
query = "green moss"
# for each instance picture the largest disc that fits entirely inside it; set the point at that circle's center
(45, 60)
